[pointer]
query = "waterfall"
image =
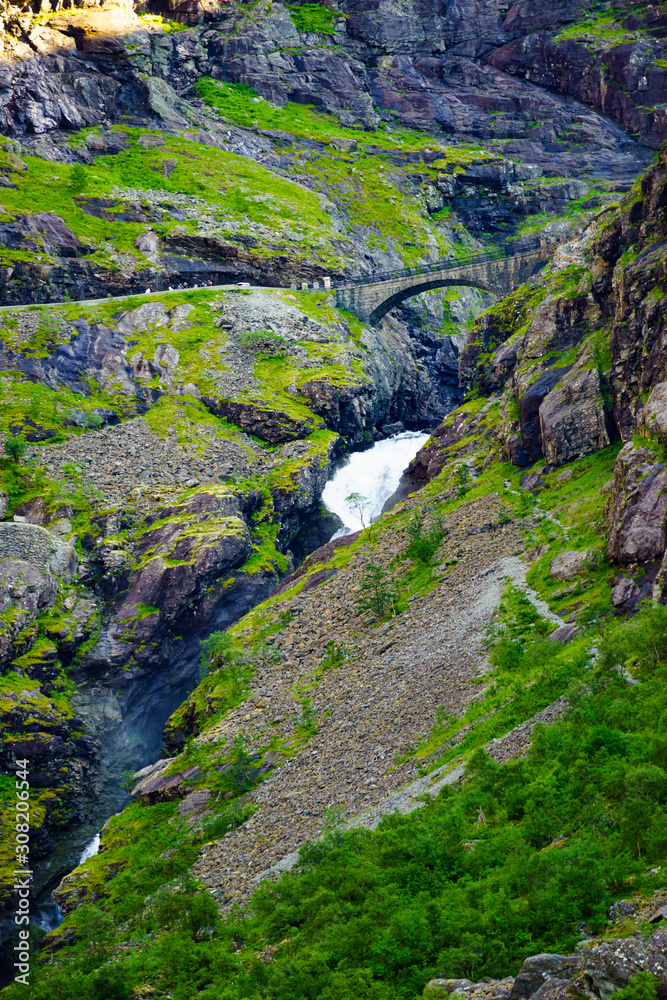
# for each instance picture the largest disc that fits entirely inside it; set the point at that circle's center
(375, 474)
(91, 848)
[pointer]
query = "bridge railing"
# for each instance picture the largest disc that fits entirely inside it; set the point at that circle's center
(452, 264)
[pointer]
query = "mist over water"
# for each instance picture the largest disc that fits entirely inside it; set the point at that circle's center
(375, 474)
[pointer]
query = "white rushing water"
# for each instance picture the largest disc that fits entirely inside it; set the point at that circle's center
(91, 848)
(375, 474)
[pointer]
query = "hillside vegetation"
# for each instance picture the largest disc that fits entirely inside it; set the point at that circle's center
(403, 763)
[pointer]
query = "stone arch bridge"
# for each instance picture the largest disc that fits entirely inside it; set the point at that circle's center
(498, 271)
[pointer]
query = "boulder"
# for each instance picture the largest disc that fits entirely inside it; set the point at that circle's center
(540, 969)
(344, 145)
(194, 802)
(157, 786)
(568, 565)
(612, 962)
(391, 429)
(623, 908)
(148, 243)
(140, 320)
(532, 481)
(658, 915)
(44, 232)
(489, 989)
(443, 987)
(150, 141)
(166, 356)
(15, 163)
(564, 989)
(564, 633)
(624, 591)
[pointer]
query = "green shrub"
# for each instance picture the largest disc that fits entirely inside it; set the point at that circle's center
(423, 547)
(109, 983)
(640, 644)
(334, 655)
(375, 595)
(256, 339)
(78, 179)
(15, 448)
(463, 479)
(640, 987)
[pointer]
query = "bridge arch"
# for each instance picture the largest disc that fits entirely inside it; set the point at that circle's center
(425, 286)
(497, 271)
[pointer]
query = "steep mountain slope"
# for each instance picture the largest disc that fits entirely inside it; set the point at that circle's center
(166, 450)
(358, 678)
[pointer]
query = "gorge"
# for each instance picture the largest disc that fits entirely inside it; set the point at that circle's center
(332, 632)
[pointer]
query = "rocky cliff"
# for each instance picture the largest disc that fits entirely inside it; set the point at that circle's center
(168, 442)
(575, 362)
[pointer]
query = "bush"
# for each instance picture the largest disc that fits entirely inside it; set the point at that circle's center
(78, 179)
(375, 596)
(505, 515)
(108, 983)
(463, 479)
(334, 656)
(640, 987)
(423, 547)
(640, 644)
(15, 448)
(257, 339)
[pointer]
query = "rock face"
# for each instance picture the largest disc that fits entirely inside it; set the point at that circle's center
(652, 418)
(45, 231)
(430, 68)
(564, 412)
(26, 591)
(422, 69)
(539, 970)
(637, 507)
(572, 418)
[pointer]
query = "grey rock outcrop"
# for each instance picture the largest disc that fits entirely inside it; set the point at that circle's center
(652, 418)
(540, 970)
(24, 593)
(613, 962)
(568, 565)
(572, 418)
(38, 547)
(637, 507)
